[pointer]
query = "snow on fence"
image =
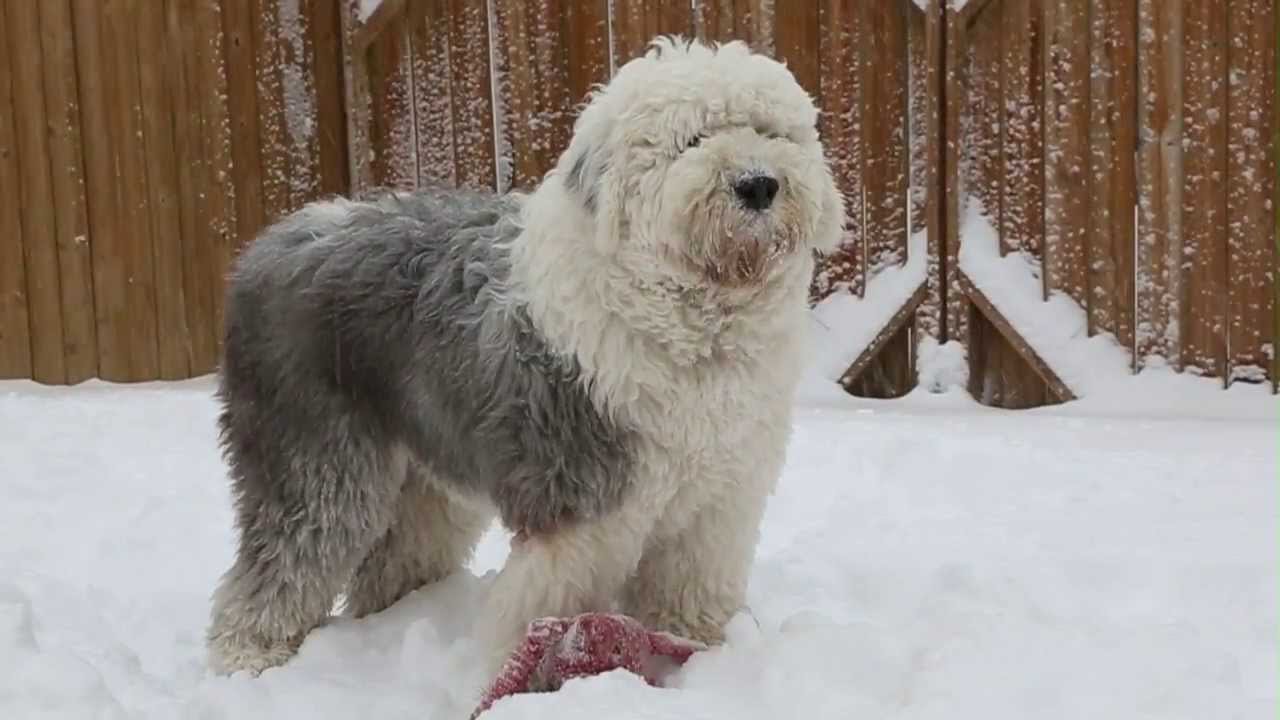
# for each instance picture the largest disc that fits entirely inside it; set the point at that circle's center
(1120, 150)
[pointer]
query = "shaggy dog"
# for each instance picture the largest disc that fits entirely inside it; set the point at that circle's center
(607, 363)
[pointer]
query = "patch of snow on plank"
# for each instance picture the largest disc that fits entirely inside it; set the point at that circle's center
(1057, 329)
(846, 324)
(366, 9)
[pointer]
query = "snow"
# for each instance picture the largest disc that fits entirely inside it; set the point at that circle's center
(922, 558)
(366, 9)
(846, 324)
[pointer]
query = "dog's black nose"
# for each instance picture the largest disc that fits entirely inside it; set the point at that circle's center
(757, 191)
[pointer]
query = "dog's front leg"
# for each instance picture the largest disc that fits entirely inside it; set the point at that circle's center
(580, 567)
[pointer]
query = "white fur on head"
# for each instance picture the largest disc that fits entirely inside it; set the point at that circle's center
(656, 153)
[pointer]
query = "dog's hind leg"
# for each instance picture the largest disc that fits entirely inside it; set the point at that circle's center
(309, 507)
(433, 536)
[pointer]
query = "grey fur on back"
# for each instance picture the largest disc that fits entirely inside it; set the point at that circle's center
(350, 335)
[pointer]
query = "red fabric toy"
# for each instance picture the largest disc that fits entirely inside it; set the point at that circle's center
(556, 650)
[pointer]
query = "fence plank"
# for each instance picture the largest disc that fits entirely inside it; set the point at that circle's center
(1066, 182)
(1113, 32)
(587, 32)
(1251, 179)
(96, 77)
(157, 92)
(984, 123)
(929, 317)
(242, 100)
(295, 76)
(15, 329)
(845, 269)
(798, 36)
(918, 111)
(75, 259)
(433, 97)
(129, 132)
(471, 93)
(182, 54)
(1022, 80)
(35, 192)
(1159, 244)
(222, 202)
(273, 154)
(324, 20)
(955, 319)
(1204, 199)
(392, 134)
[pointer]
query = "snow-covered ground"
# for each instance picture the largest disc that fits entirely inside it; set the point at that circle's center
(923, 558)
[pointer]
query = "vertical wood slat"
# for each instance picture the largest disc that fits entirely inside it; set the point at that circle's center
(956, 316)
(75, 259)
(538, 117)
(586, 27)
(433, 93)
(392, 135)
(324, 20)
(157, 93)
(1251, 189)
(221, 203)
(797, 34)
(984, 146)
(15, 329)
(1159, 180)
(1204, 199)
(917, 113)
(277, 170)
(838, 125)
(929, 317)
(1022, 80)
(884, 126)
(183, 54)
(94, 71)
(750, 21)
(472, 97)
(242, 98)
(35, 193)
(294, 84)
(1110, 254)
(1066, 129)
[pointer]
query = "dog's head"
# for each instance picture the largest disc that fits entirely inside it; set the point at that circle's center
(704, 159)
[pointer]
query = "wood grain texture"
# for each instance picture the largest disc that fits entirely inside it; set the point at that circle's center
(798, 42)
(956, 316)
(884, 127)
(929, 320)
(15, 330)
(325, 22)
(844, 270)
(1022, 133)
(1066, 131)
(1113, 191)
(183, 54)
(433, 96)
(1204, 195)
(157, 75)
(242, 100)
(223, 229)
(471, 95)
(1251, 188)
(35, 194)
(75, 258)
(1159, 178)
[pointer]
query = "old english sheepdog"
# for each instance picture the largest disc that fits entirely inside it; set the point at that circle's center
(607, 364)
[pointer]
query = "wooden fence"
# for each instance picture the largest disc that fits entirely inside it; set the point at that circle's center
(1121, 149)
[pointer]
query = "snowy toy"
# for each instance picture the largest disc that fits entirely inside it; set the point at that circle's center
(556, 650)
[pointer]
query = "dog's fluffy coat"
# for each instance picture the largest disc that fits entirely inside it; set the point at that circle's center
(607, 364)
